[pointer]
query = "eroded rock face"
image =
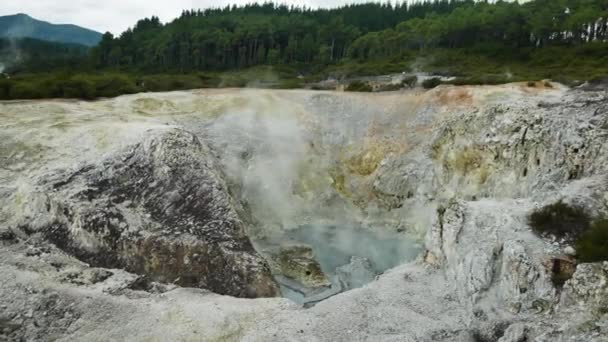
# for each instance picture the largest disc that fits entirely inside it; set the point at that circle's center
(160, 208)
(464, 166)
(588, 286)
(513, 151)
(298, 263)
(488, 256)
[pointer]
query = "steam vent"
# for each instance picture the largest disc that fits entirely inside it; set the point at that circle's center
(461, 213)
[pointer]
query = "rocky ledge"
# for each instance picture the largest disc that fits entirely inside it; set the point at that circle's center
(471, 165)
(162, 209)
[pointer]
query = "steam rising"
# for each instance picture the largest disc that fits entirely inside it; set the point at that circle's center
(280, 156)
(335, 245)
(262, 145)
(278, 151)
(10, 55)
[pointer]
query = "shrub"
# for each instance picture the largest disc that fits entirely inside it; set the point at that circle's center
(531, 84)
(77, 87)
(5, 88)
(359, 86)
(390, 87)
(290, 84)
(561, 220)
(592, 246)
(320, 87)
(114, 85)
(26, 90)
(410, 81)
(431, 83)
(233, 81)
(209, 81)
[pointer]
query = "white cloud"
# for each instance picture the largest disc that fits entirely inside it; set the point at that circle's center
(117, 15)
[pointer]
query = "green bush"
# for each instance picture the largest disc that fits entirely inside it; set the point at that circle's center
(359, 86)
(5, 88)
(290, 84)
(389, 87)
(410, 81)
(27, 90)
(114, 85)
(233, 81)
(177, 82)
(209, 80)
(77, 87)
(431, 83)
(561, 220)
(574, 224)
(592, 245)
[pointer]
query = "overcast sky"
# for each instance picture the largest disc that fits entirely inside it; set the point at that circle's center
(117, 15)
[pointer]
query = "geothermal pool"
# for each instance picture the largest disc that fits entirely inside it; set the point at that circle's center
(294, 158)
(349, 256)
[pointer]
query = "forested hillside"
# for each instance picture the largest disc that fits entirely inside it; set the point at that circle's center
(479, 42)
(236, 37)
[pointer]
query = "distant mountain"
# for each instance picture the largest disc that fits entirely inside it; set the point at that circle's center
(24, 26)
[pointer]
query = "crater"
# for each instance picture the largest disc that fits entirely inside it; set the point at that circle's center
(314, 262)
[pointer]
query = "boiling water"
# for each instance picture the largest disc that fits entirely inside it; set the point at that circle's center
(334, 248)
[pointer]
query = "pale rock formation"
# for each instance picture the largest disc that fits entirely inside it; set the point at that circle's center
(160, 209)
(462, 167)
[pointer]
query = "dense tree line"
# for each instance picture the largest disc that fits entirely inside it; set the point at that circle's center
(499, 25)
(238, 37)
(235, 37)
(268, 45)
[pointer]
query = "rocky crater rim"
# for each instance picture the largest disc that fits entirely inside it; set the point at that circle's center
(221, 190)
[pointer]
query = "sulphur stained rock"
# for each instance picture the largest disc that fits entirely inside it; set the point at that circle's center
(297, 262)
(161, 209)
(516, 151)
(506, 151)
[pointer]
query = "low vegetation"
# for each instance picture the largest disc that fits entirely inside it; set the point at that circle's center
(573, 224)
(110, 84)
(560, 220)
(431, 83)
(359, 86)
(592, 245)
(474, 41)
(389, 87)
(409, 81)
(67, 86)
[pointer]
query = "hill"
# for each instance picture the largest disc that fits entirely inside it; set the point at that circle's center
(24, 26)
(455, 37)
